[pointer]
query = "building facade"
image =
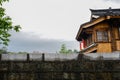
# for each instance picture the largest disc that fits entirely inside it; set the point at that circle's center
(101, 33)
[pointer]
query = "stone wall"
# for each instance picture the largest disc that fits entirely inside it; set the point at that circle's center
(58, 67)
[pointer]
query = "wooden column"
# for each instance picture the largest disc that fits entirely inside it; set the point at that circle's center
(112, 33)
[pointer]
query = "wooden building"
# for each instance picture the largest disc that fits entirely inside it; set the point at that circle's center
(101, 33)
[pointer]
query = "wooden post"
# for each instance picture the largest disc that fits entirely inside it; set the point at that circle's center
(28, 57)
(0, 56)
(43, 57)
(112, 33)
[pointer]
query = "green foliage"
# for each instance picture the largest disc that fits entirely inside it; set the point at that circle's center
(3, 50)
(69, 51)
(6, 25)
(1, 1)
(64, 50)
(75, 51)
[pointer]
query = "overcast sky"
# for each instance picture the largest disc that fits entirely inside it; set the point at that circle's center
(46, 24)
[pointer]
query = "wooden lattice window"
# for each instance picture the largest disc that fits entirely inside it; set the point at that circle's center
(102, 36)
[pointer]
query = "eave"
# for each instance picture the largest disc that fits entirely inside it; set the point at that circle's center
(91, 23)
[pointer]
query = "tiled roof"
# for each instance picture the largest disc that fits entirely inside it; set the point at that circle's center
(105, 12)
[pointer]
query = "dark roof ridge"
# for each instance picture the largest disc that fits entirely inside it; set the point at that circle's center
(105, 12)
(105, 9)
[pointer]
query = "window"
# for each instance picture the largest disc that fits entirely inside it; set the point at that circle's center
(102, 36)
(89, 40)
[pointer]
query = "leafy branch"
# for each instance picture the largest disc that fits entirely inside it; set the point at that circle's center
(6, 25)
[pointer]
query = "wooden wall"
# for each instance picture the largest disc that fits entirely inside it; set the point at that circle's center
(104, 47)
(101, 26)
(113, 43)
(118, 45)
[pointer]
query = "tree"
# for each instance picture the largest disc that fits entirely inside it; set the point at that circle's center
(69, 51)
(6, 25)
(66, 51)
(3, 50)
(63, 49)
(75, 51)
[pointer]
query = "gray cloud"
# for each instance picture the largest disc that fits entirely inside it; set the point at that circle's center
(29, 42)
